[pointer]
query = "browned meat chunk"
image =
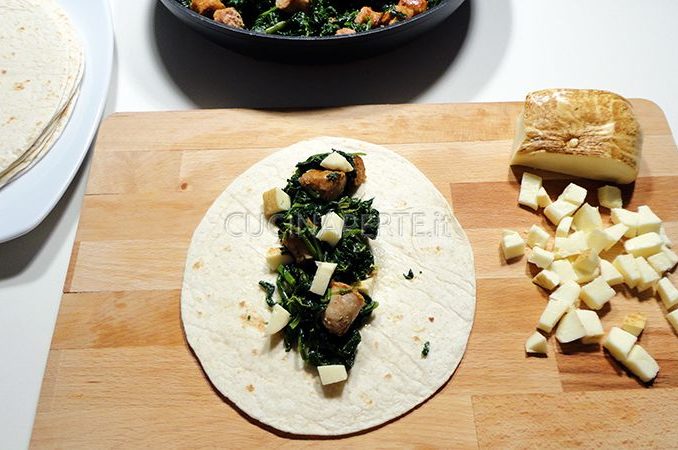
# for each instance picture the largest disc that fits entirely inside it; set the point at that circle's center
(411, 8)
(360, 177)
(291, 6)
(368, 15)
(344, 31)
(344, 306)
(230, 17)
(206, 7)
(328, 184)
(297, 249)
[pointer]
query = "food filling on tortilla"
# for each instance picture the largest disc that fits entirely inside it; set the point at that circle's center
(325, 262)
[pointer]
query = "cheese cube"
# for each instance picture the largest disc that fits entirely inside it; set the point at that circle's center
(610, 273)
(541, 258)
(644, 245)
(275, 201)
(626, 265)
(573, 194)
(537, 237)
(570, 328)
(671, 255)
(563, 228)
(596, 293)
(529, 189)
(335, 161)
(559, 209)
(564, 269)
(648, 220)
(660, 262)
(641, 364)
(279, 319)
(597, 240)
(543, 199)
(552, 313)
(574, 244)
(547, 279)
(331, 228)
(568, 293)
(672, 317)
(619, 343)
(587, 218)
(275, 257)
(512, 245)
(587, 262)
(648, 276)
(536, 343)
(614, 234)
(322, 277)
(665, 238)
(610, 197)
(365, 286)
(634, 323)
(626, 217)
(585, 277)
(332, 374)
(668, 293)
(593, 328)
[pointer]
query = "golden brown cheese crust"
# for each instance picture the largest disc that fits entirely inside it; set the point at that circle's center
(581, 122)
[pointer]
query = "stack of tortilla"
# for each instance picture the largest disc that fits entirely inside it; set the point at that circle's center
(41, 67)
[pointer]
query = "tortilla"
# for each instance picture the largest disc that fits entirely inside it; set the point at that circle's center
(41, 67)
(224, 311)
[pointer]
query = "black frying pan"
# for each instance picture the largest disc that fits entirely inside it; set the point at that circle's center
(313, 49)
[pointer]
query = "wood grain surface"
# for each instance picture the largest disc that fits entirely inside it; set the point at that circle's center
(120, 373)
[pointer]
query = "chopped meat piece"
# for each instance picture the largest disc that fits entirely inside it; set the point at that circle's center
(206, 7)
(411, 8)
(296, 247)
(328, 184)
(360, 177)
(344, 306)
(368, 15)
(388, 18)
(344, 31)
(230, 17)
(291, 6)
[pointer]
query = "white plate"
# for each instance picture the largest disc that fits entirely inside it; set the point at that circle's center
(26, 201)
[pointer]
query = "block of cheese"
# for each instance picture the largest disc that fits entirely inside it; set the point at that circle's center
(626, 265)
(275, 257)
(644, 245)
(648, 276)
(512, 245)
(541, 258)
(537, 237)
(610, 273)
(275, 201)
(634, 323)
(574, 194)
(668, 293)
(641, 364)
(626, 217)
(614, 234)
(672, 317)
(564, 269)
(587, 218)
(619, 343)
(581, 132)
(332, 374)
(536, 343)
(552, 313)
(529, 189)
(588, 261)
(547, 279)
(543, 199)
(665, 237)
(558, 210)
(564, 226)
(648, 220)
(610, 197)
(596, 293)
(660, 262)
(570, 328)
(598, 241)
(568, 292)
(593, 327)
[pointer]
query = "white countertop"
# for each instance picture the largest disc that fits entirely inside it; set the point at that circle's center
(491, 50)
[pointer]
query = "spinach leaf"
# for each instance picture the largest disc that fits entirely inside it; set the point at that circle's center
(426, 349)
(269, 289)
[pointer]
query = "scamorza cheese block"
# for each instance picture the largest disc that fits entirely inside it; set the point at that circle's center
(581, 132)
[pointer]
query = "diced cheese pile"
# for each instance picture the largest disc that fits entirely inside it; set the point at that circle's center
(578, 270)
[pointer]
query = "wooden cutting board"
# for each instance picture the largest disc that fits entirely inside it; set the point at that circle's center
(120, 373)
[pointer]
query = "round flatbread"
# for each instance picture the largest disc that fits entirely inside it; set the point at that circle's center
(224, 311)
(41, 67)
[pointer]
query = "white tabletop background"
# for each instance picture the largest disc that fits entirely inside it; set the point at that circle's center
(490, 50)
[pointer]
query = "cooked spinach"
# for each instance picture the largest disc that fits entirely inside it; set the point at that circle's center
(426, 349)
(409, 275)
(305, 332)
(269, 289)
